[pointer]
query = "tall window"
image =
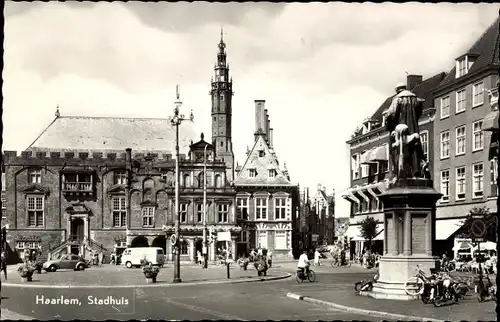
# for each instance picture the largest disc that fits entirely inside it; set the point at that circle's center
(477, 94)
(187, 181)
(462, 67)
(120, 177)
(223, 213)
(184, 247)
(493, 177)
(272, 173)
(280, 241)
(477, 136)
(35, 176)
(461, 101)
(355, 166)
(460, 183)
(252, 173)
(218, 181)
(445, 107)
(460, 134)
(183, 210)
(262, 239)
(244, 236)
(148, 215)
(4, 209)
(445, 185)
(364, 170)
(3, 182)
(260, 208)
(445, 144)
(478, 175)
(35, 211)
(280, 208)
(119, 211)
(199, 212)
(201, 180)
(424, 140)
(242, 204)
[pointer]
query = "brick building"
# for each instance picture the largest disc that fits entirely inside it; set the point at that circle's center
(69, 191)
(322, 220)
(267, 201)
(369, 150)
(465, 170)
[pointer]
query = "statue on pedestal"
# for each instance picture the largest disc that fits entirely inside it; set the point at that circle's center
(406, 153)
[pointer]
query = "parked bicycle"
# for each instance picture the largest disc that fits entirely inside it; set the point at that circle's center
(366, 285)
(301, 276)
(340, 260)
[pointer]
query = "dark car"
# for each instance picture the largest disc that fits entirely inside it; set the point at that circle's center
(74, 262)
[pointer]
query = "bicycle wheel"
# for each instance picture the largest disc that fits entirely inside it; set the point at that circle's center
(311, 276)
(414, 286)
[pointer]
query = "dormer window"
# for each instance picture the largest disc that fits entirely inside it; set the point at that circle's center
(384, 117)
(272, 173)
(463, 64)
(261, 154)
(252, 173)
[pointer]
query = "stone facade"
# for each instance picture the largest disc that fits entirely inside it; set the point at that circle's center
(266, 199)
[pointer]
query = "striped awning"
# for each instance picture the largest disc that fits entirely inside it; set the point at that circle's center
(378, 154)
(490, 122)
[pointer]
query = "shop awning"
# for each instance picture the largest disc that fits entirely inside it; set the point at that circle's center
(355, 233)
(378, 154)
(487, 246)
(365, 157)
(490, 121)
(445, 228)
(463, 246)
(351, 197)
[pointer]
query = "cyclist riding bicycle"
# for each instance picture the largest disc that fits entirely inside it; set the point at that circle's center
(303, 264)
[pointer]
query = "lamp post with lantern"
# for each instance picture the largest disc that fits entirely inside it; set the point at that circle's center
(175, 121)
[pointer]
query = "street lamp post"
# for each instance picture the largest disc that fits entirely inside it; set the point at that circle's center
(205, 242)
(176, 120)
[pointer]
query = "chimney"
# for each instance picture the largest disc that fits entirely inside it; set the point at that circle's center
(270, 137)
(128, 158)
(266, 123)
(259, 115)
(412, 81)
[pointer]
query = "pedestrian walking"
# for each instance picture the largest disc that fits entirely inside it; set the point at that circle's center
(316, 257)
(3, 264)
(102, 258)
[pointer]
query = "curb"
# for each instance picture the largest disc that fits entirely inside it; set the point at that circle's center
(360, 311)
(247, 280)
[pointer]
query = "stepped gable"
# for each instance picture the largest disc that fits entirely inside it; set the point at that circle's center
(111, 133)
(486, 47)
(261, 164)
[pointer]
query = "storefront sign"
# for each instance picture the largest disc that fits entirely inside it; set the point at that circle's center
(478, 228)
(223, 236)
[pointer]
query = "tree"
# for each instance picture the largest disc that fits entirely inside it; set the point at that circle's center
(369, 229)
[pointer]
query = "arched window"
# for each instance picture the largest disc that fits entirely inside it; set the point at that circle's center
(201, 178)
(186, 181)
(218, 181)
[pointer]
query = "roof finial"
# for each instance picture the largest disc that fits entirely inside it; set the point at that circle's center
(57, 111)
(221, 33)
(177, 91)
(202, 136)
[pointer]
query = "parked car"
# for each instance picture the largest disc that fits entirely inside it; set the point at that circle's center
(66, 262)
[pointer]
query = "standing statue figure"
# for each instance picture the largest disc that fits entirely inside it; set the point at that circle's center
(406, 156)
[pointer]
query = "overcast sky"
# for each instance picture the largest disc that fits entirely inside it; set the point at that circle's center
(322, 68)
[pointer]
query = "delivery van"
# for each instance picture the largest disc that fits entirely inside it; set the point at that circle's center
(132, 257)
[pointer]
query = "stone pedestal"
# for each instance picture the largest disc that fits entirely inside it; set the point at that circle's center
(409, 233)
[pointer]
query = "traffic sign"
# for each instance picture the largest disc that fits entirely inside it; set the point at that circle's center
(478, 228)
(173, 239)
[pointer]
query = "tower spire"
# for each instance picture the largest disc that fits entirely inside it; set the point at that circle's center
(221, 33)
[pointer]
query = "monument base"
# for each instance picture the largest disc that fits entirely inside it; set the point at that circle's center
(394, 271)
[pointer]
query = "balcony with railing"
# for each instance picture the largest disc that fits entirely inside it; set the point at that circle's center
(78, 184)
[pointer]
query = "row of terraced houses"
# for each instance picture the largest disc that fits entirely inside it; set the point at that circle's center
(107, 183)
(458, 130)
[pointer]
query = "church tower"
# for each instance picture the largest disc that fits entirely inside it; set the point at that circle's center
(221, 93)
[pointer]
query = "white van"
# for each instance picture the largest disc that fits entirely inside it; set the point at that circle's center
(132, 256)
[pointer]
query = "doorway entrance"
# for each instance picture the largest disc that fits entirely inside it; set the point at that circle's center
(77, 229)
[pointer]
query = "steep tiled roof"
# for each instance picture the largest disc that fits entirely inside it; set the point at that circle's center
(487, 47)
(112, 133)
(261, 165)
